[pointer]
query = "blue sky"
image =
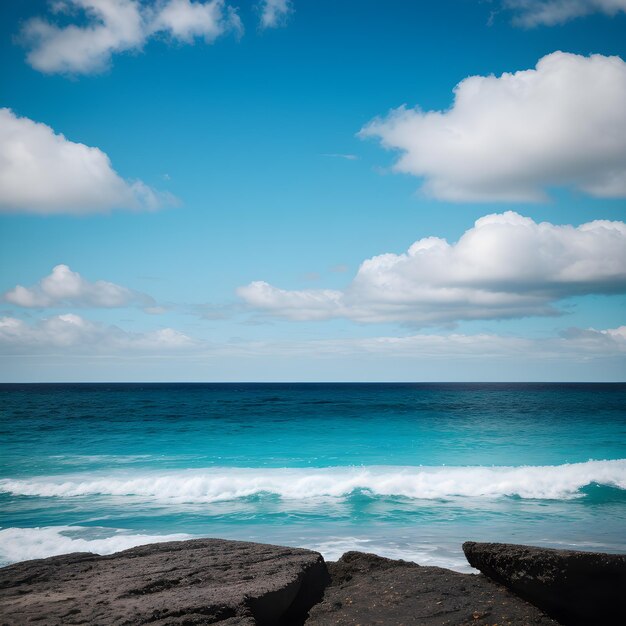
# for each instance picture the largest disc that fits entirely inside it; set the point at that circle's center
(249, 143)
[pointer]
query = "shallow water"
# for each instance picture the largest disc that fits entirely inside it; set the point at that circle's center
(404, 470)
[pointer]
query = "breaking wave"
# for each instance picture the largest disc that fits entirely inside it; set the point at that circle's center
(21, 544)
(554, 482)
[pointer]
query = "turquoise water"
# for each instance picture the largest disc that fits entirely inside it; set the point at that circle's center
(404, 470)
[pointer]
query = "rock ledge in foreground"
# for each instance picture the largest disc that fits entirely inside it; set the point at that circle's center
(574, 587)
(367, 589)
(202, 581)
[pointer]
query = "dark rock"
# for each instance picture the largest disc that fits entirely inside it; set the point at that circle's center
(367, 589)
(209, 581)
(202, 581)
(574, 587)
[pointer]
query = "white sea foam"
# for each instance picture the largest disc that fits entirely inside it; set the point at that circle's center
(221, 484)
(450, 557)
(21, 544)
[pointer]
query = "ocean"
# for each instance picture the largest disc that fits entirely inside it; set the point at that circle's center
(403, 470)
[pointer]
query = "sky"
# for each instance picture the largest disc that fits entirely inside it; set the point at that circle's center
(312, 190)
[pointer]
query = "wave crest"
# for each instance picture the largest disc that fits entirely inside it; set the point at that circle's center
(555, 482)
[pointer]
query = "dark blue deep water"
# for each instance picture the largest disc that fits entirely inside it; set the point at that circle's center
(404, 470)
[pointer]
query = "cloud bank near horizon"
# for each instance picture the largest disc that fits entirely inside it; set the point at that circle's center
(69, 335)
(505, 266)
(72, 334)
(510, 138)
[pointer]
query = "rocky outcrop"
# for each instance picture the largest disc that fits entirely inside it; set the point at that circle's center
(574, 587)
(202, 581)
(368, 589)
(233, 583)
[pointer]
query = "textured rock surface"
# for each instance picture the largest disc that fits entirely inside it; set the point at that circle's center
(201, 581)
(231, 583)
(367, 589)
(574, 587)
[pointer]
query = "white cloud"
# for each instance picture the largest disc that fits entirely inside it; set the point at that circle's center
(511, 137)
(114, 26)
(590, 337)
(71, 332)
(274, 12)
(70, 335)
(43, 172)
(506, 266)
(531, 13)
(186, 20)
(575, 343)
(63, 287)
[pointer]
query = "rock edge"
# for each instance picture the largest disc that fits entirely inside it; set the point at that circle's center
(573, 587)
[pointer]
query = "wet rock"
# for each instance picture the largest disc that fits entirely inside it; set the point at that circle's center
(367, 589)
(574, 587)
(202, 581)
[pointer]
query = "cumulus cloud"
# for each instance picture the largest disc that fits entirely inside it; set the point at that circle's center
(43, 172)
(112, 26)
(185, 20)
(531, 13)
(511, 137)
(274, 12)
(71, 332)
(63, 287)
(505, 266)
